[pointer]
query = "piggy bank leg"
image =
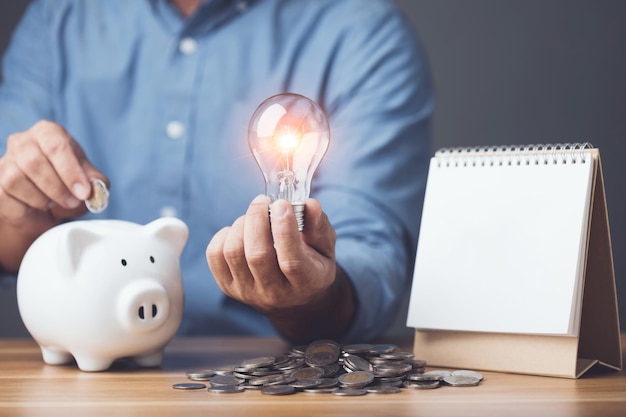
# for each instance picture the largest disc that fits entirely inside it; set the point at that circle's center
(90, 364)
(150, 360)
(55, 356)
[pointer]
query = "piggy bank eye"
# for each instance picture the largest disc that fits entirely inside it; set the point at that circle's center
(124, 262)
(152, 259)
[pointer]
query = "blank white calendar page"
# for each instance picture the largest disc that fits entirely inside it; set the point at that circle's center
(501, 248)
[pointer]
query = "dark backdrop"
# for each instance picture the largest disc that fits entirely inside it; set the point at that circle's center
(506, 72)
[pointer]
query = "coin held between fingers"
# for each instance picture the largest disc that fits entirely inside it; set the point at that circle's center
(99, 199)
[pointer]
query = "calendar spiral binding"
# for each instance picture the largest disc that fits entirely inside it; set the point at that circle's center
(540, 154)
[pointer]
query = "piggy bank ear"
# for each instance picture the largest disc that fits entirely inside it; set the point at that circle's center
(170, 229)
(72, 244)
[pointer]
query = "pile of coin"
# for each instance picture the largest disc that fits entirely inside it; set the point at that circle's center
(325, 366)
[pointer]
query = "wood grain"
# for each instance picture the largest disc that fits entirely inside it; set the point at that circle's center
(28, 387)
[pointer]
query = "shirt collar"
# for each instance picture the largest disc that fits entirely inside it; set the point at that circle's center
(210, 14)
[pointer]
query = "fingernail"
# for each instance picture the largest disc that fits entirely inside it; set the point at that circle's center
(261, 198)
(80, 191)
(278, 209)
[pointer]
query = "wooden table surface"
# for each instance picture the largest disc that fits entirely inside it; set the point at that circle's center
(28, 387)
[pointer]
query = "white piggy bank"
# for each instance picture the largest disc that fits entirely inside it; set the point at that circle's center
(101, 290)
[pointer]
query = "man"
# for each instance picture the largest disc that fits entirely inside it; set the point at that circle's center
(154, 97)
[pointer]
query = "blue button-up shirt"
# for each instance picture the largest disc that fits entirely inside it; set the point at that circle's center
(161, 105)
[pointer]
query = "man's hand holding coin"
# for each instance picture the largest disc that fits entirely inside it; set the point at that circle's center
(44, 179)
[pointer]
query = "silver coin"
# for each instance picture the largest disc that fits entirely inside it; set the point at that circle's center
(306, 383)
(318, 390)
(357, 363)
(278, 390)
(225, 380)
(188, 385)
(281, 359)
(226, 389)
(382, 389)
(287, 379)
(99, 199)
(461, 381)
(357, 348)
(298, 350)
(350, 392)
(201, 375)
(416, 363)
(467, 372)
(328, 383)
(261, 362)
(264, 380)
(397, 383)
(261, 372)
(321, 358)
(423, 377)
(375, 360)
(392, 369)
(292, 364)
(330, 370)
(322, 353)
(225, 370)
(441, 372)
(398, 355)
(356, 379)
(422, 384)
(242, 375)
(307, 373)
(389, 379)
(383, 348)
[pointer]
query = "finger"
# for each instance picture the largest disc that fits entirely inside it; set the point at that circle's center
(15, 186)
(216, 261)
(234, 254)
(63, 153)
(34, 165)
(12, 210)
(259, 248)
(18, 214)
(287, 241)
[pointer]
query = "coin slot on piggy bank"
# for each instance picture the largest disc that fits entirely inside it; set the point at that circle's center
(100, 290)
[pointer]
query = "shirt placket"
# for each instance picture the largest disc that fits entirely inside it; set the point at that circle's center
(176, 123)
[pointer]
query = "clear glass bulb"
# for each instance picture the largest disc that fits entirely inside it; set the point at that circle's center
(288, 136)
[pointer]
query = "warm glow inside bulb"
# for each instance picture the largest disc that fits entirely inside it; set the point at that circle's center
(287, 141)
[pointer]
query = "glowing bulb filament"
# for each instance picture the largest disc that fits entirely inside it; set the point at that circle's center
(288, 141)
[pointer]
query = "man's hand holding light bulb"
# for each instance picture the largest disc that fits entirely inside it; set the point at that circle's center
(285, 267)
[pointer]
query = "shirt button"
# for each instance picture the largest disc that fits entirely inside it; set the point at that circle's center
(168, 211)
(242, 6)
(175, 129)
(188, 46)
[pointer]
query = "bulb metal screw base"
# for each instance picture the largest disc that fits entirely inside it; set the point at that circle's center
(298, 209)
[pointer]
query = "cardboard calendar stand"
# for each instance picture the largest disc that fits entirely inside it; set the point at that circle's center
(595, 342)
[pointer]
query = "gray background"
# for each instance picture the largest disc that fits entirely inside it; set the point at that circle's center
(506, 72)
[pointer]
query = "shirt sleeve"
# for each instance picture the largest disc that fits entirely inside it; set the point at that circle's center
(372, 181)
(25, 83)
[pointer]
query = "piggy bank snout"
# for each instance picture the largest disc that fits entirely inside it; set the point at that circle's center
(143, 306)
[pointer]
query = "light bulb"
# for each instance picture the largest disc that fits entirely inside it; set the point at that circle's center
(288, 136)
